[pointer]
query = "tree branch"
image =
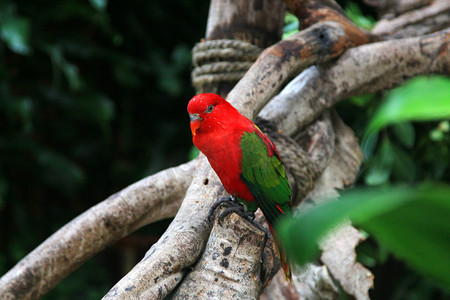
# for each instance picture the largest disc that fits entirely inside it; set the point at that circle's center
(396, 7)
(151, 199)
(165, 264)
(318, 43)
(230, 266)
(418, 22)
(364, 69)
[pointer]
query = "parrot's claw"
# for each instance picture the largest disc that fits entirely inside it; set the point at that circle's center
(238, 209)
(228, 201)
(231, 206)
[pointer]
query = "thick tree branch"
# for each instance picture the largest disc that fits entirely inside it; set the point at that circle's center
(151, 199)
(417, 22)
(318, 43)
(364, 69)
(396, 7)
(257, 22)
(230, 265)
(165, 264)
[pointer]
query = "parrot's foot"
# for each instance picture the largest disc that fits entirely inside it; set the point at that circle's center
(231, 206)
(238, 209)
(221, 201)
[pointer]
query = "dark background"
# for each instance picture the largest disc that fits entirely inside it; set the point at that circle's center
(93, 97)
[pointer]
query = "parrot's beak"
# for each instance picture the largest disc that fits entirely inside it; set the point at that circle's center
(195, 122)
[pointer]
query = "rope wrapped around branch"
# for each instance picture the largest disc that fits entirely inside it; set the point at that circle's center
(221, 61)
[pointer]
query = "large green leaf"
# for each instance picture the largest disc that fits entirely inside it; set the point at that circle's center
(413, 223)
(420, 99)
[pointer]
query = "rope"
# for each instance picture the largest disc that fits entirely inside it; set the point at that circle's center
(221, 61)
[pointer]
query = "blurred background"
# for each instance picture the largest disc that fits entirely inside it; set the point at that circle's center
(93, 97)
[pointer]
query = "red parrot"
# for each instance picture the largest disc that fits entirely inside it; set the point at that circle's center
(245, 160)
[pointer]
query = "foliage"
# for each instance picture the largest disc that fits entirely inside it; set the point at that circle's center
(93, 97)
(413, 102)
(412, 222)
(291, 25)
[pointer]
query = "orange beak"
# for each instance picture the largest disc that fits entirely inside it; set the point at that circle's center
(195, 123)
(194, 126)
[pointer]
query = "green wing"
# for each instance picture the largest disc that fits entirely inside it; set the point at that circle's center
(264, 176)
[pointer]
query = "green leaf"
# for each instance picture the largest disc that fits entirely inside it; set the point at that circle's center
(59, 171)
(362, 100)
(193, 153)
(369, 143)
(354, 13)
(381, 165)
(439, 133)
(411, 222)
(72, 75)
(404, 166)
(291, 25)
(405, 133)
(15, 32)
(420, 99)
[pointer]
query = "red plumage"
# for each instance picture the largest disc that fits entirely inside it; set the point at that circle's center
(218, 138)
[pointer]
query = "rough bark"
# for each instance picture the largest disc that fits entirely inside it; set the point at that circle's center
(167, 261)
(417, 22)
(340, 257)
(153, 198)
(389, 8)
(310, 12)
(257, 22)
(230, 266)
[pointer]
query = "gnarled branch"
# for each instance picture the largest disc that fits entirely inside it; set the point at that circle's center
(151, 199)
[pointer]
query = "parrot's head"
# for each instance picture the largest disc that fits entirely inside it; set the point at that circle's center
(206, 110)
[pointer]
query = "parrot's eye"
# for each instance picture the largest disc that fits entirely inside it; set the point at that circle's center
(209, 108)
